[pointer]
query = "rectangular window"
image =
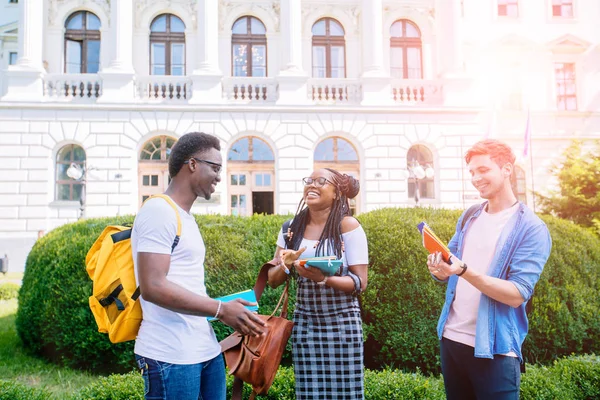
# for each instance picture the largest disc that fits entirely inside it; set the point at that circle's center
(319, 67)
(562, 8)
(566, 89)
(12, 58)
(508, 8)
(413, 59)
(397, 62)
(178, 59)
(158, 58)
(240, 60)
(13, 1)
(93, 56)
(73, 57)
(259, 60)
(338, 69)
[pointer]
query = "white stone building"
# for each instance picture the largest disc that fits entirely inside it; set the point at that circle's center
(365, 86)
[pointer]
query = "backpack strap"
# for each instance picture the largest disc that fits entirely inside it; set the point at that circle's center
(136, 294)
(468, 214)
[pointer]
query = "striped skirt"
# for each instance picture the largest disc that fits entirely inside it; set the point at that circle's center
(328, 356)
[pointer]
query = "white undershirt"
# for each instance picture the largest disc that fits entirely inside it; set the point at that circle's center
(480, 246)
(166, 335)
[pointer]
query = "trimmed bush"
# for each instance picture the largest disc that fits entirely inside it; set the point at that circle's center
(568, 378)
(573, 378)
(10, 390)
(54, 319)
(402, 303)
(114, 387)
(9, 291)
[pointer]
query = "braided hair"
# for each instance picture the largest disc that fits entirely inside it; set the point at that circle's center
(346, 188)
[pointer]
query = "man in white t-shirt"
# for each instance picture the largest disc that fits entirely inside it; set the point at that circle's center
(499, 250)
(176, 348)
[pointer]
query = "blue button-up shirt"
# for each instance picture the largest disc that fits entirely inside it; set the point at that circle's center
(521, 253)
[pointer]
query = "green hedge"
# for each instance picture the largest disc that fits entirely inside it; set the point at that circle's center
(571, 378)
(401, 304)
(10, 390)
(9, 291)
(54, 319)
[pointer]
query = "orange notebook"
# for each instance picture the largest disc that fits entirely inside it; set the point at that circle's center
(433, 243)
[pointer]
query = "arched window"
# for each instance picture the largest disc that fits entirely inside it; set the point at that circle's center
(249, 47)
(68, 188)
(420, 156)
(167, 45)
(339, 154)
(251, 177)
(82, 43)
(153, 173)
(328, 49)
(518, 183)
(405, 50)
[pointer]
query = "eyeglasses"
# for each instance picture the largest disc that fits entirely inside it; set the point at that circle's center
(216, 167)
(317, 182)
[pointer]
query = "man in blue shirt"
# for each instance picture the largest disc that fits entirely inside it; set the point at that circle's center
(499, 253)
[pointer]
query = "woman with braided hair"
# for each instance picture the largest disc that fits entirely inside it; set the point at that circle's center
(327, 341)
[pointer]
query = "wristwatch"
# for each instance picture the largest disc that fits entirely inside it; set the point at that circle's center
(322, 283)
(464, 269)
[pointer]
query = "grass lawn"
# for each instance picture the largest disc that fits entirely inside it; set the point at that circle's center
(16, 365)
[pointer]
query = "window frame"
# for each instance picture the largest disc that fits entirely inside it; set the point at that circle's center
(167, 38)
(519, 175)
(406, 43)
(328, 41)
(566, 96)
(10, 55)
(70, 182)
(559, 7)
(249, 39)
(506, 4)
(82, 36)
(423, 160)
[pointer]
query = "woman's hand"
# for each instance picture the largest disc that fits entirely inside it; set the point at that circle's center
(312, 273)
(288, 257)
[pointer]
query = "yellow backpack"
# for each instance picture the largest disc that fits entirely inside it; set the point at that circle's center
(109, 263)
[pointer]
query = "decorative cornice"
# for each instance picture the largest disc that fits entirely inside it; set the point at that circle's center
(227, 8)
(351, 11)
(188, 5)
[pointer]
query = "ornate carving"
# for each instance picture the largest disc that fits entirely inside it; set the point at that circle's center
(54, 4)
(141, 5)
(351, 11)
(226, 8)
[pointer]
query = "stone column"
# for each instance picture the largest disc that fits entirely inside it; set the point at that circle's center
(117, 76)
(206, 78)
(23, 81)
(449, 16)
(375, 80)
(292, 78)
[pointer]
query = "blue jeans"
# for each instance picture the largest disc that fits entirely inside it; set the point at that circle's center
(467, 377)
(165, 381)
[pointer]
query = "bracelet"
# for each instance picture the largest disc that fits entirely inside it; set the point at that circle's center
(323, 282)
(218, 310)
(464, 269)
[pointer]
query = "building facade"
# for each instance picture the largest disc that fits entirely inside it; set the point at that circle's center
(392, 92)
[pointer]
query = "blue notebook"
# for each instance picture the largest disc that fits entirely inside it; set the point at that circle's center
(247, 295)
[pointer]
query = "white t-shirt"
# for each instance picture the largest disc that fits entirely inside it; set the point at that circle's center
(166, 335)
(479, 249)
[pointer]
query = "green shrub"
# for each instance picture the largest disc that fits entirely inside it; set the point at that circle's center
(402, 303)
(9, 291)
(54, 319)
(392, 384)
(10, 390)
(568, 378)
(114, 387)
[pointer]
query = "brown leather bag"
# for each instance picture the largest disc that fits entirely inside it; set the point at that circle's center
(255, 360)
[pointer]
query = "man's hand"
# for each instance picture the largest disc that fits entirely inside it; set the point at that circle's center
(441, 269)
(236, 315)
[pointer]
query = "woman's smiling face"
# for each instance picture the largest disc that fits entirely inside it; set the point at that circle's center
(319, 190)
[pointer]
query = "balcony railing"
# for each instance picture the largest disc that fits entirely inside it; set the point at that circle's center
(334, 91)
(163, 88)
(416, 91)
(250, 90)
(72, 86)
